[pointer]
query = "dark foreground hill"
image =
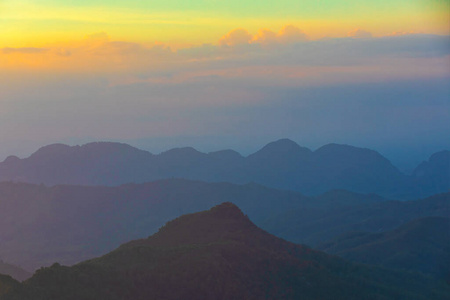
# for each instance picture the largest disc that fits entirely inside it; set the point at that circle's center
(70, 224)
(219, 254)
(282, 164)
(420, 245)
(7, 284)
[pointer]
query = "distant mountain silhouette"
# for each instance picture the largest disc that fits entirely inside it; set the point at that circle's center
(69, 224)
(355, 169)
(434, 174)
(281, 164)
(420, 245)
(282, 150)
(220, 254)
(334, 215)
(91, 164)
(14, 271)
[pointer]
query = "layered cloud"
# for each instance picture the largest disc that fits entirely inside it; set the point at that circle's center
(286, 57)
(287, 34)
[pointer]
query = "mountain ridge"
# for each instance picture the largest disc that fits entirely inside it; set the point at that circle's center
(72, 223)
(282, 164)
(421, 245)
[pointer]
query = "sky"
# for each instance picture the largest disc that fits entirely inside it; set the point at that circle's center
(226, 74)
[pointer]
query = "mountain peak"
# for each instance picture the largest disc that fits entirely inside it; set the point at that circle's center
(281, 147)
(283, 144)
(333, 147)
(96, 148)
(343, 152)
(441, 155)
(439, 160)
(225, 154)
(11, 159)
(434, 173)
(182, 153)
(227, 210)
(50, 150)
(110, 146)
(223, 217)
(221, 221)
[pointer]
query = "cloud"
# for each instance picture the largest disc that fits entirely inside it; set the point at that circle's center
(359, 34)
(205, 51)
(25, 50)
(236, 37)
(305, 63)
(101, 44)
(288, 34)
(286, 57)
(265, 36)
(329, 60)
(400, 33)
(291, 34)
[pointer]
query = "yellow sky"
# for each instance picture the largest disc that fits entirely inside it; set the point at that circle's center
(121, 69)
(101, 34)
(47, 22)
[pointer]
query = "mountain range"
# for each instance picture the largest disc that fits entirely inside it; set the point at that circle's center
(282, 164)
(321, 222)
(419, 245)
(40, 225)
(218, 254)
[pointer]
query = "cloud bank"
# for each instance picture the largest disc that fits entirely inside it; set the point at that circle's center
(287, 51)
